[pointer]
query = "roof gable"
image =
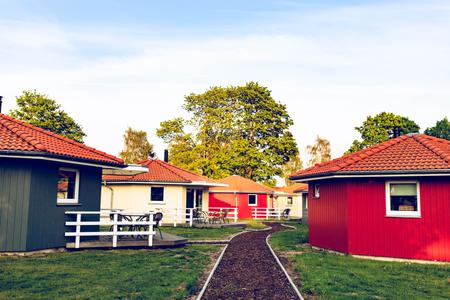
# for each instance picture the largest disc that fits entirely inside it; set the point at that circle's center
(17, 137)
(240, 184)
(411, 152)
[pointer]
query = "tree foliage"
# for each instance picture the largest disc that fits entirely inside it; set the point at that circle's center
(236, 130)
(136, 146)
(41, 111)
(319, 152)
(380, 128)
(440, 130)
(290, 167)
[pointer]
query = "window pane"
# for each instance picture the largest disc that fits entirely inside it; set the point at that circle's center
(403, 189)
(198, 198)
(251, 199)
(66, 184)
(403, 203)
(289, 200)
(157, 194)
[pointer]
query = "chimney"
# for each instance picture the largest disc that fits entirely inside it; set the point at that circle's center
(396, 132)
(1, 97)
(166, 155)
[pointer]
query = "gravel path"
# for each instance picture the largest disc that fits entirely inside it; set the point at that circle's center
(248, 270)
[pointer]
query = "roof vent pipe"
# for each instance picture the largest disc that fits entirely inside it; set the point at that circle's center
(1, 97)
(166, 155)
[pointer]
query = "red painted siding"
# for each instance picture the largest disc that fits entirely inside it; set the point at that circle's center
(230, 200)
(372, 233)
(327, 216)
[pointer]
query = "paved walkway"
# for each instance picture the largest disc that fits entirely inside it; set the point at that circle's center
(248, 270)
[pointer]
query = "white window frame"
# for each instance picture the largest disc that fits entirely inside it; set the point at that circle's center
(256, 200)
(156, 201)
(402, 214)
(77, 188)
(317, 191)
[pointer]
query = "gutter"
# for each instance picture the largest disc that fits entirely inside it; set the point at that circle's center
(389, 173)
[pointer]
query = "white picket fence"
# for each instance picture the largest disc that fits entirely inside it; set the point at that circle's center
(112, 219)
(267, 213)
(178, 216)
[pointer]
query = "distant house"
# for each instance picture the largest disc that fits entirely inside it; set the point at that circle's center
(164, 187)
(42, 175)
(390, 200)
(243, 193)
(293, 197)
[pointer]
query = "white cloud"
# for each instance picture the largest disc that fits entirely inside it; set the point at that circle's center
(330, 77)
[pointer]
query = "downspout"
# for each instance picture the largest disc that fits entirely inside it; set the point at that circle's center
(112, 194)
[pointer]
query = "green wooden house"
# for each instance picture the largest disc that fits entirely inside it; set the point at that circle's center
(42, 175)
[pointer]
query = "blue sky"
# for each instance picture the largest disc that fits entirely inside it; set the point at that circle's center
(113, 64)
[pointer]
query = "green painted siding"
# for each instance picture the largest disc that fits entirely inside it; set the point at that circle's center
(30, 219)
(15, 180)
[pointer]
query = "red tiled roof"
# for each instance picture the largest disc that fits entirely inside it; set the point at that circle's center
(291, 189)
(160, 171)
(240, 184)
(411, 152)
(17, 137)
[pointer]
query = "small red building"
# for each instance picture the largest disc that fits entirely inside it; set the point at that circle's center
(390, 200)
(243, 193)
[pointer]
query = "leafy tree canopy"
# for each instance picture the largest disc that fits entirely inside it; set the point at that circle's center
(236, 130)
(440, 130)
(41, 111)
(136, 146)
(380, 128)
(290, 167)
(319, 152)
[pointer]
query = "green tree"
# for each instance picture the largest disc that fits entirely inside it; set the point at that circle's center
(236, 130)
(380, 128)
(136, 146)
(440, 130)
(319, 152)
(41, 111)
(290, 167)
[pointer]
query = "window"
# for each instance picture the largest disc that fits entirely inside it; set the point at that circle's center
(305, 200)
(289, 200)
(199, 198)
(252, 201)
(67, 189)
(317, 190)
(157, 194)
(402, 199)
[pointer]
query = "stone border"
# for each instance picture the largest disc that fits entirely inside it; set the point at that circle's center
(282, 267)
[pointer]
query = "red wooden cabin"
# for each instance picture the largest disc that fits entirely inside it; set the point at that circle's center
(390, 200)
(243, 193)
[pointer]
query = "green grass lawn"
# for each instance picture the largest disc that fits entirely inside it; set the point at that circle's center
(102, 274)
(193, 233)
(325, 275)
(254, 224)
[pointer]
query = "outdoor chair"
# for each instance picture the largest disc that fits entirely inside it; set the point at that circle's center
(213, 217)
(224, 215)
(199, 216)
(158, 218)
(121, 218)
(285, 213)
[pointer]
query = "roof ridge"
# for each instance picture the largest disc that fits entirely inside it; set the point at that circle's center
(28, 138)
(160, 162)
(425, 140)
(359, 155)
(78, 144)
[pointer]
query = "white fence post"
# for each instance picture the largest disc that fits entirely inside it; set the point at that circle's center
(175, 217)
(150, 229)
(279, 214)
(267, 213)
(235, 214)
(115, 230)
(191, 216)
(78, 230)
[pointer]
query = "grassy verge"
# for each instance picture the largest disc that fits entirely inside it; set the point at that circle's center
(254, 224)
(325, 275)
(193, 233)
(124, 274)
